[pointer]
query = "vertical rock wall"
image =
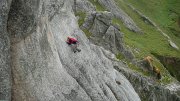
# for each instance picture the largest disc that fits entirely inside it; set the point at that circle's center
(44, 68)
(5, 70)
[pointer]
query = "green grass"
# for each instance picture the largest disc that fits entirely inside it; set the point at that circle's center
(166, 77)
(99, 7)
(120, 56)
(151, 41)
(165, 13)
(172, 67)
(81, 16)
(132, 66)
(86, 31)
(138, 69)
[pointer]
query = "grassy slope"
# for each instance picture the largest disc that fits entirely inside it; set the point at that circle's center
(151, 41)
(165, 13)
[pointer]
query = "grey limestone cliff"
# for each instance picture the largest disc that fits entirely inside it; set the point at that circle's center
(43, 67)
(36, 64)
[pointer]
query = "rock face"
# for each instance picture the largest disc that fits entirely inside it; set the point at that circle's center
(119, 13)
(5, 69)
(149, 90)
(37, 65)
(22, 18)
(105, 34)
(109, 36)
(84, 6)
(44, 68)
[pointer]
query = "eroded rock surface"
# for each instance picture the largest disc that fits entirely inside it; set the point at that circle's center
(106, 34)
(109, 36)
(119, 13)
(84, 6)
(5, 70)
(44, 68)
(149, 90)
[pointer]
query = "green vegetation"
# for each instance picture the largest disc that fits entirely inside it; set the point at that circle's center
(165, 13)
(166, 77)
(120, 56)
(150, 41)
(132, 66)
(166, 80)
(99, 7)
(174, 70)
(138, 69)
(171, 63)
(81, 16)
(88, 34)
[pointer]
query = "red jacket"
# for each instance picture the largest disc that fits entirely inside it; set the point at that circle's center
(71, 40)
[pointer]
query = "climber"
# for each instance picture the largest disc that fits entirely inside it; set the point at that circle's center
(73, 42)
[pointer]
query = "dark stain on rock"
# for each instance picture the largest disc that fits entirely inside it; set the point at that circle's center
(118, 82)
(22, 18)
